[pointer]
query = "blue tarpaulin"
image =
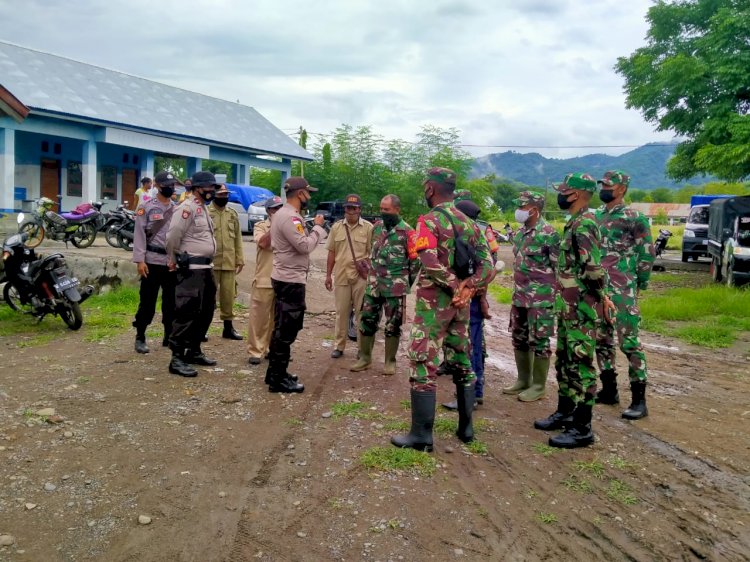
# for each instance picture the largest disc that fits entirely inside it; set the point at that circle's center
(246, 195)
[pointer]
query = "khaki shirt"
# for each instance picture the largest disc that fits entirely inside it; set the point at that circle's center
(292, 245)
(228, 235)
(191, 231)
(263, 258)
(344, 271)
(150, 212)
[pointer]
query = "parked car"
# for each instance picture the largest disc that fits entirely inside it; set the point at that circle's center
(334, 210)
(695, 237)
(729, 240)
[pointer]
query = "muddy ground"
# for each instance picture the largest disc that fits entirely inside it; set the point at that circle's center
(227, 471)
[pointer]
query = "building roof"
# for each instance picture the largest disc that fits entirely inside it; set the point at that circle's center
(10, 105)
(50, 84)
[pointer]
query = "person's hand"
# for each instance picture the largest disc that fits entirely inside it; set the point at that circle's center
(485, 308)
(171, 266)
(609, 310)
(142, 269)
(463, 295)
(239, 268)
(329, 283)
(265, 241)
(320, 220)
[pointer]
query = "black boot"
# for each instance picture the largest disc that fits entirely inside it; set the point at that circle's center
(562, 417)
(165, 339)
(140, 342)
(608, 394)
(178, 366)
(196, 357)
(465, 396)
(422, 420)
(229, 332)
(281, 382)
(580, 434)
(637, 409)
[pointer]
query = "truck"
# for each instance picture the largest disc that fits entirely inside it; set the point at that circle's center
(729, 240)
(334, 210)
(695, 237)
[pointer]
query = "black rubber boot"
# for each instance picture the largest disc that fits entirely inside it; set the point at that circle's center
(608, 394)
(465, 396)
(284, 383)
(196, 357)
(422, 420)
(178, 366)
(442, 369)
(140, 342)
(637, 409)
(562, 417)
(579, 434)
(165, 339)
(229, 332)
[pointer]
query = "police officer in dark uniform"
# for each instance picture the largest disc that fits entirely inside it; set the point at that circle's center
(190, 251)
(152, 219)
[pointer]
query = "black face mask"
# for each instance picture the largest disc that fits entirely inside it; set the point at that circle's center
(221, 201)
(167, 191)
(303, 204)
(562, 201)
(607, 195)
(205, 195)
(390, 220)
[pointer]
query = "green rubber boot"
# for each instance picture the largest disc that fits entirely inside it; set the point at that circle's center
(524, 360)
(391, 349)
(538, 380)
(366, 344)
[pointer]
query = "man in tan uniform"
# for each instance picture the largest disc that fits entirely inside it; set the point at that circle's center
(262, 301)
(228, 261)
(350, 241)
(190, 252)
(292, 245)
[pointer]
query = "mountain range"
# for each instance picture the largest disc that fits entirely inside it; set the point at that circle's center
(646, 166)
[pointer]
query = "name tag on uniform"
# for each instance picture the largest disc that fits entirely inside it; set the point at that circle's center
(157, 216)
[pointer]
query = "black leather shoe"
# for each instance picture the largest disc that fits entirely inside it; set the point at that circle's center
(285, 385)
(231, 335)
(178, 367)
(140, 345)
(573, 438)
(254, 361)
(200, 359)
(165, 341)
(336, 353)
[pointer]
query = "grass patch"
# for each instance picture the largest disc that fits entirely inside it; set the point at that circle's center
(544, 449)
(619, 491)
(355, 409)
(392, 459)
(448, 425)
(405, 405)
(109, 314)
(594, 467)
(577, 484)
(394, 424)
(546, 518)
(477, 447)
(294, 422)
(620, 463)
(503, 295)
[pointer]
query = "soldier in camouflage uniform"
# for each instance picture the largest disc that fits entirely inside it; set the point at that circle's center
(581, 282)
(442, 312)
(536, 247)
(389, 280)
(627, 257)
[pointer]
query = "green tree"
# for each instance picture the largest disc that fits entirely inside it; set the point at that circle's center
(661, 195)
(693, 78)
(721, 188)
(636, 195)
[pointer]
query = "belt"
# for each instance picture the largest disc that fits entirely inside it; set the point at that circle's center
(200, 261)
(156, 249)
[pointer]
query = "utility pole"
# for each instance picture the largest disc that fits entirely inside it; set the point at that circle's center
(303, 144)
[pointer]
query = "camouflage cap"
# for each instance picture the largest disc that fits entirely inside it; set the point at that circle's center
(441, 175)
(579, 180)
(526, 197)
(615, 177)
(462, 195)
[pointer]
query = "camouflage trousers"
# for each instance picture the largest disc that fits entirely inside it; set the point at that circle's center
(574, 358)
(372, 309)
(532, 328)
(627, 322)
(437, 323)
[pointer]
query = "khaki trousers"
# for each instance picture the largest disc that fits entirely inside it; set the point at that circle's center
(347, 297)
(225, 279)
(260, 323)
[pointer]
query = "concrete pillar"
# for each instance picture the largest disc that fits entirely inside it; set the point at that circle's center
(88, 171)
(285, 176)
(8, 170)
(147, 165)
(194, 165)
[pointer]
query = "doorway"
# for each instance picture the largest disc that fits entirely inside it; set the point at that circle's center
(49, 185)
(129, 183)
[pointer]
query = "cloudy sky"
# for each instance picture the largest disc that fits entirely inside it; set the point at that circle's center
(524, 72)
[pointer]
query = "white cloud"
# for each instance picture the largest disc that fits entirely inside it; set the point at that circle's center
(538, 72)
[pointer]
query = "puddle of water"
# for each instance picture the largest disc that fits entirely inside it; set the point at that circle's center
(658, 347)
(502, 362)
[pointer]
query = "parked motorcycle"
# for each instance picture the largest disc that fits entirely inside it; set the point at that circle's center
(39, 285)
(661, 241)
(66, 227)
(125, 233)
(114, 222)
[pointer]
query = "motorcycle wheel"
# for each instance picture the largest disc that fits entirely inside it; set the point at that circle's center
(84, 236)
(70, 312)
(12, 296)
(35, 233)
(124, 243)
(110, 235)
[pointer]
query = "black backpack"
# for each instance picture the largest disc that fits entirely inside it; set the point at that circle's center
(465, 256)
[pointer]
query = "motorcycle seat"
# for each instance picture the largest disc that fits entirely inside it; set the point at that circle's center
(74, 217)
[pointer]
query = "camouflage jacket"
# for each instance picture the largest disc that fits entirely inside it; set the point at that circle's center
(536, 250)
(434, 244)
(580, 276)
(627, 248)
(392, 273)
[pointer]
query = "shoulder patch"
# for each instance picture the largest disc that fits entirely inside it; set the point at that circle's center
(300, 228)
(140, 212)
(185, 214)
(425, 239)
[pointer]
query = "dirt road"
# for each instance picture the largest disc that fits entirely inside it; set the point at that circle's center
(226, 471)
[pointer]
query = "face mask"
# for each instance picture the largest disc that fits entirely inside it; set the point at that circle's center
(389, 220)
(166, 191)
(206, 195)
(562, 201)
(221, 201)
(607, 195)
(522, 216)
